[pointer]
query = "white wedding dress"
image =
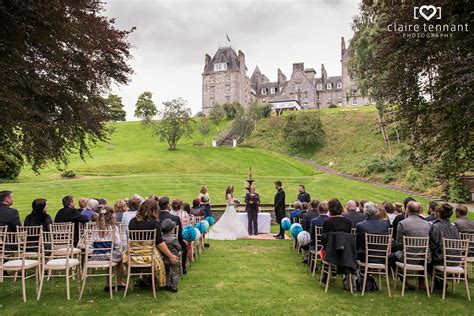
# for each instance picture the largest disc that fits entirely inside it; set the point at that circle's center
(229, 226)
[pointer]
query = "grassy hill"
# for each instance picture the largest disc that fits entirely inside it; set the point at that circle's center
(139, 163)
(354, 145)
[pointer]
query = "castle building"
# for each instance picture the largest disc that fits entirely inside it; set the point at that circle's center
(225, 80)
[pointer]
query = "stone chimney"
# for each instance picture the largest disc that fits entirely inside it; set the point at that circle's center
(281, 77)
(343, 47)
(207, 59)
(324, 74)
(242, 60)
(310, 74)
(298, 66)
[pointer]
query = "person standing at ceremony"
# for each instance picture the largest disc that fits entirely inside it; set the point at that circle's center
(8, 216)
(280, 208)
(39, 215)
(303, 196)
(205, 200)
(252, 203)
(68, 214)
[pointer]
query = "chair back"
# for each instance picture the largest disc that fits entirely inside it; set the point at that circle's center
(317, 238)
(12, 247)
(34, 238)
(470, 237)
(415, 250)
(3, 228)
(123, 229)
(99, 244)
(141, 242)
(455, 252)
(61, 227)
(57, 245)
(377, 248)
(390, 231)
(196, 219)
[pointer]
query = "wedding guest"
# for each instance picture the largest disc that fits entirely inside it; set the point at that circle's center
(187, 209)
(382, 214)
(319, 221)
(177, 209)
(120, 207)
(39, 215)
(83, 203)
(398, 208)
(310, 215)
(280, 208)
(463, 224)
(172, 270)
(304, 210)
(400, 217)
(303, 196)
(145, 219)
(197, 209)
(297, 208)
(68, 214)
(361, 205)
(431, 212)
(133, 205)
(352, 215)
(391, 211)
(252, 203)
(8, 216)
(336, 222)
(106, 221)
(371, 225)
(205, 200)
(91, 210)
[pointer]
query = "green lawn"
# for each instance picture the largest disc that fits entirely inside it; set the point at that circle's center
(239, 277)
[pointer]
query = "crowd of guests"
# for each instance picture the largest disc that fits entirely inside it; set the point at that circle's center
(405, 219)
(136, 213)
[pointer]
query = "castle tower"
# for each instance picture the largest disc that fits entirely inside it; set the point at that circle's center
(224, 79)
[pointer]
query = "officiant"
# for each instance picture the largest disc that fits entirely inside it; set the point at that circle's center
(252, 203)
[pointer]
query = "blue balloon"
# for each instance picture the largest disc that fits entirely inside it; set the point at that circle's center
(295, 230)
(210, 220)
(201, 226)
(285, 223)
(189, 233)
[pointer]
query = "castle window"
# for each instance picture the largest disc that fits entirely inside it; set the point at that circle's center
(264, 90)
(306, 95)
(354, 101)
(272, 90)
(227, 89)
(329, 85)
(318, 97)
(339, 85)
(319, 86)
(212, 89)
(220, 66)
(279, 89)
(297, 87)
(212, 101)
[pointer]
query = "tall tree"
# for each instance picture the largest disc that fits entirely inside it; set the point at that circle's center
(115, 107)
(57, 60)
(145, 108)
(175, 122)
(217, 114)
(204, 129)
(429, 79)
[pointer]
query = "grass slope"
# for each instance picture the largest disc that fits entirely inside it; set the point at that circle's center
(237, 277)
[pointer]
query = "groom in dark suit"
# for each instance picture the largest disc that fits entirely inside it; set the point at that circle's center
(280, 208)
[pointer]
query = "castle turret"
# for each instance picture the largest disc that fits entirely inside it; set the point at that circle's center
(343, 47)
(281, 78)
(324, 74)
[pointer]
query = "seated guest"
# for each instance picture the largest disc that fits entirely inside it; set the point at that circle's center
(68, 214)
(177, 210)
(371, 225)
(39, 215)
(296, 211)
(102, 203)
(91, 210)
(8, 216)
(391, 211)
(187, 209)
(336, 222)
(441, 228)
(83, 203)
(352, 215)
(398, 208)
(120, 207)
(106, 221)
(431, 212)
(319, 221)
(463, 224)
(400, 217)
(133, 205)
(172, 270)
(145, 219)
(361, 205)
(382, 214)
(310, 215)
(304, 210)
(197, 209)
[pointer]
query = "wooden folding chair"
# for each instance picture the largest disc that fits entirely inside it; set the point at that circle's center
(141, 243)
(377, 249)
(68, 228)
(454, 265)
(415, 260)
(470, 255)
(98, 256)
(327, 268)
(123, 229)
(315, 255)
(13, 249)
(58, 255)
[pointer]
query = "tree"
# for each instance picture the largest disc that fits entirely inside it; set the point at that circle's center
(232, 110)
(10, 164)
(57, 60)
(145, 108)
(115, 107)
(303, 131)
(204, 129)
(111, 128)
(217, 114)
(175, 122)
(257, 111)
(428, 79)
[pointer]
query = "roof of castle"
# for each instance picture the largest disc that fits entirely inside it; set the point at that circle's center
(224, 55)
(332, 79)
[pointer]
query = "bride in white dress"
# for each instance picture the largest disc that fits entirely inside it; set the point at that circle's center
(229, 226)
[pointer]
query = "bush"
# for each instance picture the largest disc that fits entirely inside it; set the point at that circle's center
(380, 165)
(303, 131)
(10, 165)
(457, 191)
(258, 111)
(68, 174)
(389, 177)
(199, 114)
(198, 143)
(232, 110)
(332, 106)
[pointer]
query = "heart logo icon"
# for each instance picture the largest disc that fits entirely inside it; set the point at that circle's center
(427, 11)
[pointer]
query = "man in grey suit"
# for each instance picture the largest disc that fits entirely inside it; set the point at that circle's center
(463, 224)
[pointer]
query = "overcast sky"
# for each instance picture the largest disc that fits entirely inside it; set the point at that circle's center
(173, 36)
